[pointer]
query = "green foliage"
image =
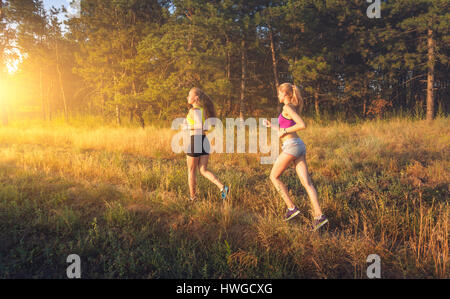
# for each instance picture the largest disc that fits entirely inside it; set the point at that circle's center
(142, 57)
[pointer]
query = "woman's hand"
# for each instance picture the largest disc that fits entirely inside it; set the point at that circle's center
(267, 123)
(281, 133)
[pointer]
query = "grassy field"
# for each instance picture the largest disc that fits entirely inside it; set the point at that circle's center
(117, 197)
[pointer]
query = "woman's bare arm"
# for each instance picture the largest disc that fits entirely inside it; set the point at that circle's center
(300, 124)
(270, 125)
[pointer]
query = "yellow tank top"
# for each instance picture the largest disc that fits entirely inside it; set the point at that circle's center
(190, 121)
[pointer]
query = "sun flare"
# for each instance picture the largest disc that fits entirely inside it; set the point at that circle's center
(12, 66)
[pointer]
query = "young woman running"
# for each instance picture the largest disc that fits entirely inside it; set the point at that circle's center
(199, 147)
(293, 150)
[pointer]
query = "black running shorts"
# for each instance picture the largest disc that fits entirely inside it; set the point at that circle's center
(198, 146)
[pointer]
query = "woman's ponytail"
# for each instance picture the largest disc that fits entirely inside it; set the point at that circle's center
(209, 106)
(206, 103)
(297, 98)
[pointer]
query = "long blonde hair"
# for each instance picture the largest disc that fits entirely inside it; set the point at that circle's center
(293, 92)
(205, 102)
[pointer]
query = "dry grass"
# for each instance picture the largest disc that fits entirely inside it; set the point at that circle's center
(117, 197)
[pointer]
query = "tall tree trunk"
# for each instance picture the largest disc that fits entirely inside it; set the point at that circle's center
(103, 103)
(103, 107)
(364, 107)
(3, 100)
(316, 105)
(415, 90)
(243, 79)
(61, 86)
(225, 111)
(365, 95)
(131, 110)
(137, 108)
(118, 120)
(139, 112)
(430, 79)
(3, 103)
(275, 66)
(48, 102)
(118, 115)
(274, 58)
(230, 93)
(316, 102)
(41, 88)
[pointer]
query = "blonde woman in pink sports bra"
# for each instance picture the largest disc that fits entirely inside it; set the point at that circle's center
(293, 150)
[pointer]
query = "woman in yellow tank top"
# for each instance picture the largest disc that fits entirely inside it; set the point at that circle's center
(199, 147)
(194, 116)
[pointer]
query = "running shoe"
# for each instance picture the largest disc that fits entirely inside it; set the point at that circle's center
(224, 192)
(318, 223)
(291, 214)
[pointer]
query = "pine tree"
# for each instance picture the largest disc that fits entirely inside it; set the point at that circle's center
(4, 45)
(108, 34)
(32, 35)
(310, 46)
(56, 47)
(187, 51)
(431, 23)
(126, 56)
(413, 44)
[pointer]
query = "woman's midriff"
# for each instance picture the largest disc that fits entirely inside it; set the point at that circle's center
(197, 132)
(289, 136)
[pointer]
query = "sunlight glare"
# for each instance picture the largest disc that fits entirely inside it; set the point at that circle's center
(12, 66)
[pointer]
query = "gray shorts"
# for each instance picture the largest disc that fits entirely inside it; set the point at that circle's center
(294, 146)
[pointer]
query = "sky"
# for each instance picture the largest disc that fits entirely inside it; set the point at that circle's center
(57, 3)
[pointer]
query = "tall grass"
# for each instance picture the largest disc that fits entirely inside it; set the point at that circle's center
(118, 198)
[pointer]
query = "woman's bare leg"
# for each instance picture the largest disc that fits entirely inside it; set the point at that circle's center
(192, 164)
(302, 171)
(203, 166)
(278, 168)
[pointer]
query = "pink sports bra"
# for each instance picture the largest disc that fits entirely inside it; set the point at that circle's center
(284, 122)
